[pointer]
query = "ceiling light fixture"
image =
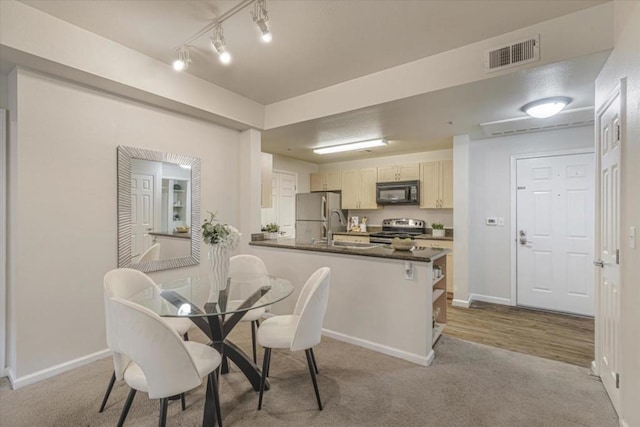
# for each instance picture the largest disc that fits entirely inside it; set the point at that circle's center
(182, 63)
(218, 44)
(546, 107)
(351, 146)
(261, 19)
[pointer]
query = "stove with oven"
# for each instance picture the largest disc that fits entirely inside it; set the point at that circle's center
(398, 227)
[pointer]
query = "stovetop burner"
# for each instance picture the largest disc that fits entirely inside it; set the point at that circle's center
(401, 228)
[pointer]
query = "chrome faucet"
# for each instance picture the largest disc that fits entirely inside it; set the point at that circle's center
(342, 219)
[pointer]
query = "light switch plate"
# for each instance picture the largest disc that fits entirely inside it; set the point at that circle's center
(501, 221)
(492, 220)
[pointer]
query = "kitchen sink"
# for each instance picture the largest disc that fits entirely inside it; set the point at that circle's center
(350, 245)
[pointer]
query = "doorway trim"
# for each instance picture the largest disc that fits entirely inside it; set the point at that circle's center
(513, 208)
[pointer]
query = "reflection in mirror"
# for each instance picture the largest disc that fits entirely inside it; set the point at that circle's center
(158, 202)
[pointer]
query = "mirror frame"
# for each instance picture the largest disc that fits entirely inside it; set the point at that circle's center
(125, 155)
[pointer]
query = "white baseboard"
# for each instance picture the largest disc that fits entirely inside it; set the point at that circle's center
(594, 368)
(17, 383)
(493, 300)
(390, 351)
(461, 303)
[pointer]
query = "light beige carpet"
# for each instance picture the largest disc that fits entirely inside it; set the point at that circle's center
(467, 385)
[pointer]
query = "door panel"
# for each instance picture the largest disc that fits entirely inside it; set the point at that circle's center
(609, 144)
(141, 212)
(555, 217)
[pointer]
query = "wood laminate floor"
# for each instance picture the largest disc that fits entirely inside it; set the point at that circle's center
(553, 336)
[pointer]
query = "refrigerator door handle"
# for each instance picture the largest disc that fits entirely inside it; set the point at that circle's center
(324, 231)
(324, 208)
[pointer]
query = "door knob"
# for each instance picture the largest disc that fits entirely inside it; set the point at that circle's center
(599, 263)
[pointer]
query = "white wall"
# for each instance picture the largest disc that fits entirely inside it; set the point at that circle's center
(4, 91)
(625, 62)
(62, 207)
(490, 195)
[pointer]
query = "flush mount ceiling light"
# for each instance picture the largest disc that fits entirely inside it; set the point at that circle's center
(547, 107)
(260, 18)
(351, 146)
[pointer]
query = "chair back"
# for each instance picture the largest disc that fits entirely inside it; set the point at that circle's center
(122, 283)
(151, 254)
(312, 306)
(246, 267)
(154, 346)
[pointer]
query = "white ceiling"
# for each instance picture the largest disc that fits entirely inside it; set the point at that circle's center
(318, 43)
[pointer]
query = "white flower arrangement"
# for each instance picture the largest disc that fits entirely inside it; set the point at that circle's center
(215, 233)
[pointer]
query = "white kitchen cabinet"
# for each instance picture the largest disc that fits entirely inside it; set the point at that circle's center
(436, 184)
(359, 189)
(326, 181)
(437, 244)
(176, 201)
(406, 172)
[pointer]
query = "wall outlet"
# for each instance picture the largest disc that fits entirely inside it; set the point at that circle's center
(408, 271)
(492, 220)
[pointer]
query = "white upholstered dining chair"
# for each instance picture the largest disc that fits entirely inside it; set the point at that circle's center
(301, 330)
(248, 267)
(151, 254)
(153, 358)
(125, 283)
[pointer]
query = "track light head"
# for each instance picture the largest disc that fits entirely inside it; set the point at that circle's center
(218, 44)
(183, 61)
(261, 19)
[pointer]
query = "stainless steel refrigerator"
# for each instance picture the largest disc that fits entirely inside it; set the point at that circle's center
(315, 215)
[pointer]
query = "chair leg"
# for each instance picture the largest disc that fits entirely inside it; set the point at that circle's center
(313, 358)
(185, 337)
(266, 360)
(213, 383)
(253, 340)
(109, 388)
(127, 405)
(313, 377)
(162, 422)
(182, 402)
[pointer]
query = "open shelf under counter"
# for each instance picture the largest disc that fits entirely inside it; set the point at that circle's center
(437, 331)
(438, 280)
(437, 293)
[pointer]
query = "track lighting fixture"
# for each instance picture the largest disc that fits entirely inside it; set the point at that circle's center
(182, 63)
(260, 18)
(218, 44)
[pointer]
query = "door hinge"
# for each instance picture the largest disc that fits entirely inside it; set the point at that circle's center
(618, 256)
(617, 380)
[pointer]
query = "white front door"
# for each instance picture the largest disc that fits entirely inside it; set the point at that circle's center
(141, 212)
(609, 146)
(555, 222)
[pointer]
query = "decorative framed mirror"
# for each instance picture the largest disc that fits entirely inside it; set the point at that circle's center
(158, 209)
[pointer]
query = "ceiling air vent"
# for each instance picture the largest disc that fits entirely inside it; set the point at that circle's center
(565, 119)
(515, 54)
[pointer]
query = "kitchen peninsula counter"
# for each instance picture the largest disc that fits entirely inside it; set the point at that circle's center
(382, 251)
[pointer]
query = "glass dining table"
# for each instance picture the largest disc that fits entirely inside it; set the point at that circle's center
(216, 312)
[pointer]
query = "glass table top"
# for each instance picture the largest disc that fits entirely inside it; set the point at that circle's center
(195, 296)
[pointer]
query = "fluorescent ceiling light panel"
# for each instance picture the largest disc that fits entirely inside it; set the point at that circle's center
(351, 146)
(547, 107)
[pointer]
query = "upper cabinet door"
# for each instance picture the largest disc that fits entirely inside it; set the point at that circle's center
(368, 188)
(430, 185)
(387, 174)
(446, 184)
(409, 172)
(316, 182)
(350, 184)
(333, 181)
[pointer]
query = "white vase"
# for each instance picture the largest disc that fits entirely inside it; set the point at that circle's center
(437, 233)
(218, 266)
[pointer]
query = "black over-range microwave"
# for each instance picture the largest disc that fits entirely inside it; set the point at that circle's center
(398, 193)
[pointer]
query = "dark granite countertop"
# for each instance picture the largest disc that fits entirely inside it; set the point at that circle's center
(383, 251)
(186, 235)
